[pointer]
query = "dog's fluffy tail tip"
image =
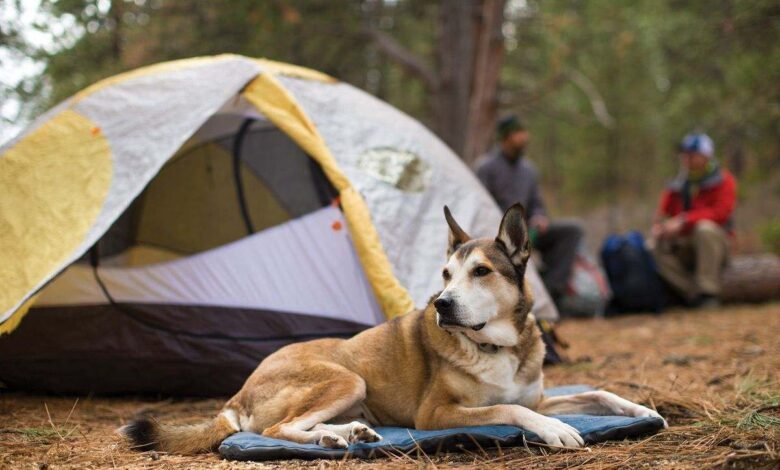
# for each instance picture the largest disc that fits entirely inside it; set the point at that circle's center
(141, 434)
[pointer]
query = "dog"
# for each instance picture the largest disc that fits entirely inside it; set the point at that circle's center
(473, 356)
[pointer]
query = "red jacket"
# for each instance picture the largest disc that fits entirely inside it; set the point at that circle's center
(715, 200)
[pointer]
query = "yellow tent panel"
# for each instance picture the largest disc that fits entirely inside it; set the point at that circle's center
(54, 183)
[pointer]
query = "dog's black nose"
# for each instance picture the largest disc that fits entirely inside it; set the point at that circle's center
(443, 305)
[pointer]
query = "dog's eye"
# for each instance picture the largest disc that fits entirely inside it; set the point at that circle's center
(480, 271)
(446, 275)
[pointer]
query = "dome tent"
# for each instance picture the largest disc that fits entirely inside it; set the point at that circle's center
(165, 229)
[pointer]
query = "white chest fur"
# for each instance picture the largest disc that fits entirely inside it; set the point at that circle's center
(498, 381)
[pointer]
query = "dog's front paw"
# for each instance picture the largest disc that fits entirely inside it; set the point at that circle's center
(554, 432)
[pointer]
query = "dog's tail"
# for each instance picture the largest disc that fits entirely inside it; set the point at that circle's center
(149, 434)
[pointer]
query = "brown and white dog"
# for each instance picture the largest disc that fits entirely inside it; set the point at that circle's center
(473, 356)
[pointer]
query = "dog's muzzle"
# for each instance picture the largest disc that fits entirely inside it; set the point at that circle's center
(445, 307)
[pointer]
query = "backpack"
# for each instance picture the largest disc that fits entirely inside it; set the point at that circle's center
(587, 292)
(633, 275)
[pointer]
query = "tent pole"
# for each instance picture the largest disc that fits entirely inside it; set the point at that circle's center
(238, 143)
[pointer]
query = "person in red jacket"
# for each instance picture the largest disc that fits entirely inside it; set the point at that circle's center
(693, 223)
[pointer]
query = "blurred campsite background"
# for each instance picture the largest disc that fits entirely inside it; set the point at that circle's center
(607, 88)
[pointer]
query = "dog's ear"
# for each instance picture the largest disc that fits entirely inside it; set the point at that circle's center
(513, 237)
(457, 235)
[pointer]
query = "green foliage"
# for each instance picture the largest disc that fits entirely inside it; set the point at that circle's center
(135, 33)
(756, 419)
(40, 433)
(764, 394)
(661, 68)
(320, 34)
(770, 234)
(13, 48)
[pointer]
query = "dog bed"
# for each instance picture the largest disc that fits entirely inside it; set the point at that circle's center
(250, 446)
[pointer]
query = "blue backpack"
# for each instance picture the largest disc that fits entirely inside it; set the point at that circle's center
(633, 275)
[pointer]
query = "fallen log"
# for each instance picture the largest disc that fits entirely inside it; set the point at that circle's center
(751, 278)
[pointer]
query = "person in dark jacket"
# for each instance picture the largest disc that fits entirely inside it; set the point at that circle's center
(693, 223)
(510, 177)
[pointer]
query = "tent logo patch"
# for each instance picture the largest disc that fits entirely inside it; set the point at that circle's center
(402, 169)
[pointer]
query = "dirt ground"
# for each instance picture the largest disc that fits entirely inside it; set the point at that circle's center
(713, 374)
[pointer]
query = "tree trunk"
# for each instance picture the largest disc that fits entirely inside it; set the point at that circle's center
(469, 53)
(463, 86)
(483, 106)
(454, 59)
(116, 34)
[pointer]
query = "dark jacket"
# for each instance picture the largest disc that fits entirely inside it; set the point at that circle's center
(511, 181)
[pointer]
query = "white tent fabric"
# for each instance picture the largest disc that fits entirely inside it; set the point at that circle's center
(280, 269)
(169, 107)
(410, 224)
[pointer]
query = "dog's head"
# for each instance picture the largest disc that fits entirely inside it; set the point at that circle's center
(484, 294)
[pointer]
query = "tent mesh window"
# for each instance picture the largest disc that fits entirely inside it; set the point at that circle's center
(217, 189)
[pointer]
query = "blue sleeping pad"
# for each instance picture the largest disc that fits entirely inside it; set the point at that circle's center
(593, 429)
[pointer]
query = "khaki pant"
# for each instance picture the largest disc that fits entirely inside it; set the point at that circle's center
(692, 264)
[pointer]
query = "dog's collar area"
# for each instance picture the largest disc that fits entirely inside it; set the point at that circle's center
(443, 323)
(488, 348)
